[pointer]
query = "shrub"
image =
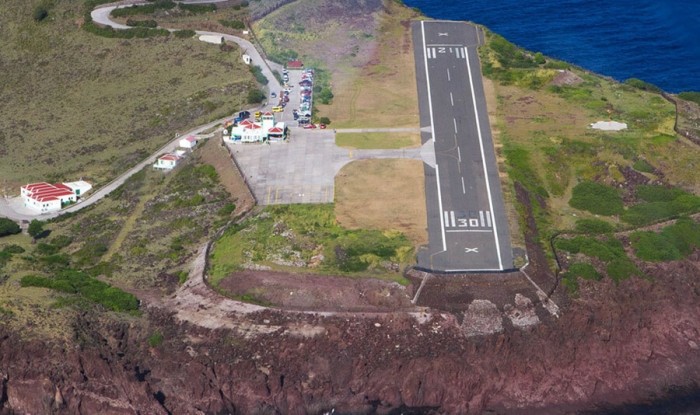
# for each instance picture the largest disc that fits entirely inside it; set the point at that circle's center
(197, 8)
(36, 228)
(661, 203)
(650, 193)
(8, 227)
(597, 198)
(325, 96)
(13, 249)
(325, 120)
(643, 166)
(141, 23)
(651, 246)
(46, 249)
(184, 34)
(155, 339)
(255, 96)
(622, 268)
(143, 9)
(606, 249)
(61, 241)
(583, 270)
(227, 209)
(77, 282)
(258, 74)
(233, 24)
(41, 12)
(594, 226)
(693, 96)
(643, 85)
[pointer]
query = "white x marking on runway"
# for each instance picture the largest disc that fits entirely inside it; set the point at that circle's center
(468, 250)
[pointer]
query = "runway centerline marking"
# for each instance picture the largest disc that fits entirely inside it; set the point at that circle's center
(452, 100)
(448, 76)
(463, 188)
(455, 122)
(459, 157)
(483, 157)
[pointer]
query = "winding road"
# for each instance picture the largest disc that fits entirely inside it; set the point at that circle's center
(14, 209)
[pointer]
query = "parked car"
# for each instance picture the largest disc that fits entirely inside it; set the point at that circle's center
(309, 126)
(277, 109)
(322, 126)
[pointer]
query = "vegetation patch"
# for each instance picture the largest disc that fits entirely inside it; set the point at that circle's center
(77, 282)
(597, 198)
(609, 250)
(660, 203)
(594, 226)
(672, 243)
(377, 140)
(307, 237)
(8, 227)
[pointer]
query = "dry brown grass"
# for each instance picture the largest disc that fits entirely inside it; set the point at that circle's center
(229, 176)
(383, 92)
(364, 198)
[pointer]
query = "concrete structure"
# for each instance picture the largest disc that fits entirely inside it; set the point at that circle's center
(609, 125)
(215, 39)
(45, 197)
(256, 132)
(189, 142)
(246, 59)
(167, 161)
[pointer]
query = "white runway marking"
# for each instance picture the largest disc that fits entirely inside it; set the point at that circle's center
(452, 100)
(468, 230)
(448, 76)
(483, 157)
(459, 157)
(464, 190)
(455, 122)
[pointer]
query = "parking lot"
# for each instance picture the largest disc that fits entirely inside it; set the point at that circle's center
(303, 169)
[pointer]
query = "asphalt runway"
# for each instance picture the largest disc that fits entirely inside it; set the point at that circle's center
(467, 226)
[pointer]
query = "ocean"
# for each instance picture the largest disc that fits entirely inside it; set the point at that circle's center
(657, 41)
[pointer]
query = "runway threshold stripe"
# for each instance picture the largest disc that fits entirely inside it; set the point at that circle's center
(481, 218)
(447, 217)
(452, 218)
(488, 218)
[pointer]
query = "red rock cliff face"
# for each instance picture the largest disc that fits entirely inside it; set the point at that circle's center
(613, 345)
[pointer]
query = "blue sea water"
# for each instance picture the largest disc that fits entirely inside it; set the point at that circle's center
(657, 41)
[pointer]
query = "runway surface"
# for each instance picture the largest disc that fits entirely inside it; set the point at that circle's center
(467, 226)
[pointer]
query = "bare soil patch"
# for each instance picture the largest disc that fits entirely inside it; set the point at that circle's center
(230, 177)
(317, 292)
(383, 194)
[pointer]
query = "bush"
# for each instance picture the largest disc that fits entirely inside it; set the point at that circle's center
(13, 249)
(184, 34)
(622, 268)
(61, 241)
(606, 249)
(583, 270)
(692, 96)
(643, 85)
(596, 198)
(197, 8)
(594, 226)
(643, 166)
(155, 339)
(227, 209)
(8, 227)
(258, 74)
(651, 246)
(233, 24)
(325, 96)
(46, 249)
(41, 12)
(135, 10)
(141, 23)
(325, 120)
(255, 96)
(661, 203)
(77, 282)
(36, 228)
(650, 193)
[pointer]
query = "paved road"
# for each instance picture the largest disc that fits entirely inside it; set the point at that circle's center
(13, 209)
(468, 229)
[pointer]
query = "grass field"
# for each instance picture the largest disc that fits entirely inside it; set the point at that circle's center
(79, 105)
(377, 140)
(364, 198)
(369, 56)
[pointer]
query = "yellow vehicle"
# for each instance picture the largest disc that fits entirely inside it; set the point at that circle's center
(277, 109)
(258, 114)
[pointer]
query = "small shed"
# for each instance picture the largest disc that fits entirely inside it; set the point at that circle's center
(246, 59)
(189, 142)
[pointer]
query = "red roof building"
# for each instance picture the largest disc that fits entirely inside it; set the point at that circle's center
(46, 197)
(295, 64)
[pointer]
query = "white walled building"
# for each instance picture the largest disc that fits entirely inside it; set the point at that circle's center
(45, 197)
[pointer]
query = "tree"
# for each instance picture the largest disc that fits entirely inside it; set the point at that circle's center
(36, 229)
(8, 227)
(325, 120)
(255, 96)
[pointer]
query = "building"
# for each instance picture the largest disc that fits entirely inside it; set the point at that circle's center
(295, 64)
(246, 59)
(254, 132)
(189, 142)
(167, 161)
(45, 197)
